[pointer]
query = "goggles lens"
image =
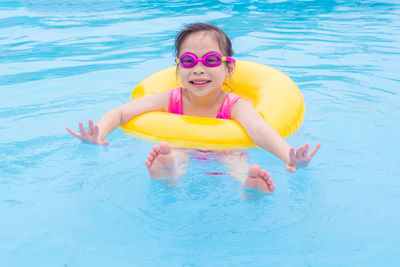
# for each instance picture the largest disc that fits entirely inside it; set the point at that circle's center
(213, 59)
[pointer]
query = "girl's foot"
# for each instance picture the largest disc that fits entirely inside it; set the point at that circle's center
(259, 180)
(160, 163)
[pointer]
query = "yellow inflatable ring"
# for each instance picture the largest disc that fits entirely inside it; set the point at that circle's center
(273, 94)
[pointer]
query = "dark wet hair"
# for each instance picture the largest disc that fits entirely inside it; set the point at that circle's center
(222, 39)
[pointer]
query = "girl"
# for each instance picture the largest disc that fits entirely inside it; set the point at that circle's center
(204, 60)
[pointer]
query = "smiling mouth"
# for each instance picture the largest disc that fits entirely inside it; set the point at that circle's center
(199, 82)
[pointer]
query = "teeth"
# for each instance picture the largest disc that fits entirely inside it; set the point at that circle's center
(199, 82)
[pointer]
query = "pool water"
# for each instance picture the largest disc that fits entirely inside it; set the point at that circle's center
(64, 203)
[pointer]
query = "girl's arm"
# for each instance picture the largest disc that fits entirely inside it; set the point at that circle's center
(268, 139)
(115, 117)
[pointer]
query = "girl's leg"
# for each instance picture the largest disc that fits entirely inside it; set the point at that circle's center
(253, 178)
(181, 161)
(236, 162)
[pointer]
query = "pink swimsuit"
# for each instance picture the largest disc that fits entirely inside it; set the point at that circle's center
(175, 103)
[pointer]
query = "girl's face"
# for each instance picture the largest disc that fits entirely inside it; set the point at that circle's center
(202, 80)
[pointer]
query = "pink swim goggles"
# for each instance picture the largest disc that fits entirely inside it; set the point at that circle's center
(212, 59)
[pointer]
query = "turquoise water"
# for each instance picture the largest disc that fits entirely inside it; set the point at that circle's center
(64, 203)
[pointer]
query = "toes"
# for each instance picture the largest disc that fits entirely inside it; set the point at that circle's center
(156, 149)
(165, 148)
(153, 153)
(269, 182)
(254, 171)
(271, 188)
(267, 187)
(264, 174)
(264, 187)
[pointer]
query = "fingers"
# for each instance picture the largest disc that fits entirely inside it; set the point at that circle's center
(90, 136)
(292, 156)
(300, 151)
(76, 134)
(95, 131)
(290, 168)
(301, 158)
(105, 143)
(90, 131)
(315, 149)
(292, 161)
(82, 129)
(305, 152)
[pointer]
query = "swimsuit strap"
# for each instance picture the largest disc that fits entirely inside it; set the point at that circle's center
(175, 101)
(226, 108)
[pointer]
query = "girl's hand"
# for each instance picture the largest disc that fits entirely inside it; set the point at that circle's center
(91, 136)
(301, 158)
